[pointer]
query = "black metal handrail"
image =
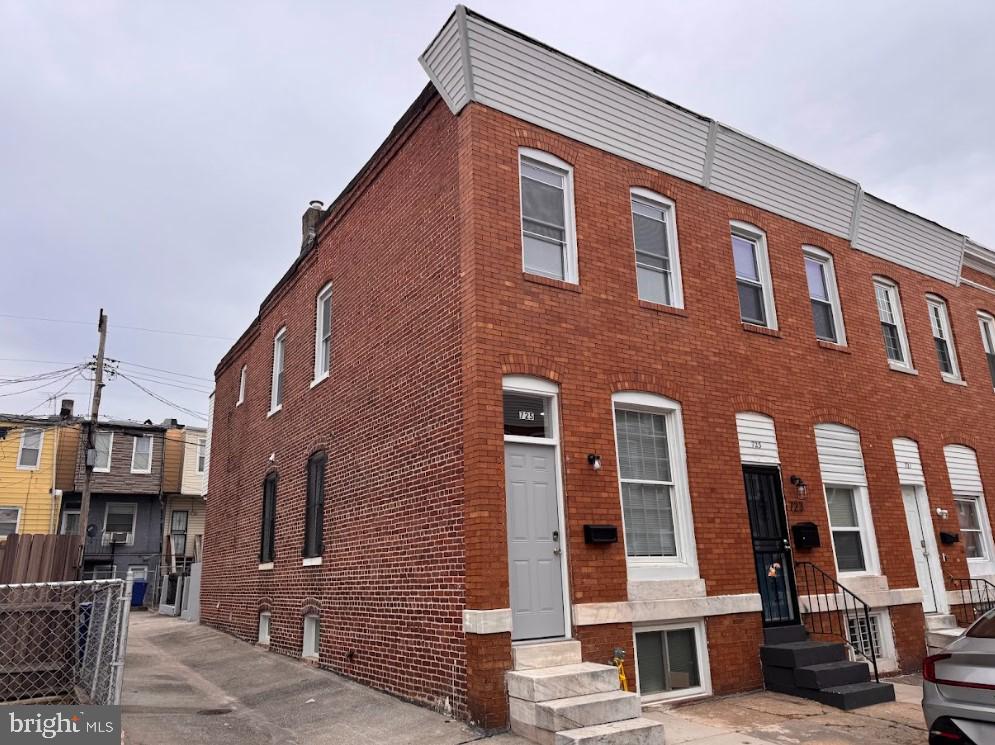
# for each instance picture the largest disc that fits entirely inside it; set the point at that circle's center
(831, 605)
(977, 597)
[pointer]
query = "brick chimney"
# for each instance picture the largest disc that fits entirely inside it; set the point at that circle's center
(309, 223)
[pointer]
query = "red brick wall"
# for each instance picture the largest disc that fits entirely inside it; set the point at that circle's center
(390, 590)
(909, 631)
(734, 652)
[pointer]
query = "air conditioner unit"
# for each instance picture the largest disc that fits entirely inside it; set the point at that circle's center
(117, 537)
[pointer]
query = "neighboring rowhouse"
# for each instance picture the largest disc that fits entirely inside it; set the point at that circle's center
(183, 520)
(32, 448)
(566, 361)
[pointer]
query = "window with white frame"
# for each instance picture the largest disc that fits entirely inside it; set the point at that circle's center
(139, 572)
(323, 334)
(201, 454)
(276, 385)
(654, 232)
(549, 244)
(264, 621)
(29, 454)
(987, 323)
(312, 636)
(671, 661)
(848, 523)
(656, 509)
(241, 385)
(10, 520)
(896, 343)
(943, 339)
(103, 444)
(141, 454)
(971, 525)
(70, 522)
(119, 523)
(756, 293)
(823, 293)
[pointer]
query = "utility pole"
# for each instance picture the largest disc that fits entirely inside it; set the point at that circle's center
(91, 427)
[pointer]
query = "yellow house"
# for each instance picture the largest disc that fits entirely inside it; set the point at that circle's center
(37, 459)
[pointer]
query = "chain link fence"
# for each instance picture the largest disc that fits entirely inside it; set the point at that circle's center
(64, 642)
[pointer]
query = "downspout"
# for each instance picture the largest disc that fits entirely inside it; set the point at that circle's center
(52, 512)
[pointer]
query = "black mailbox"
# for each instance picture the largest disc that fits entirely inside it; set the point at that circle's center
(806, 535)
(600, 534)
(948, 539)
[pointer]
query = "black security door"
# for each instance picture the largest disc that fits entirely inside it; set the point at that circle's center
(771, 550)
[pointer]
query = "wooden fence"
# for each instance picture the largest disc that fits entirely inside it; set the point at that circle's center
(39, 558)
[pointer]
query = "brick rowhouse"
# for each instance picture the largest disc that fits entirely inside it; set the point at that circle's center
(433, 315)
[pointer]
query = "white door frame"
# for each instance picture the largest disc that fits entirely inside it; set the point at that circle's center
(541, 387)
(933, 559)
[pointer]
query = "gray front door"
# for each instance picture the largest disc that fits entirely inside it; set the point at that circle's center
(534, 551)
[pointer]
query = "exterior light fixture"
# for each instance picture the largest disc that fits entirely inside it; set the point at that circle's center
(594, 461)
(801, 488)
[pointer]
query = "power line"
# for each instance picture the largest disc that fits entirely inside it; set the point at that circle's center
(130, 328)
(159, 369)
(71, 372)
(169, 384)
(161, 399)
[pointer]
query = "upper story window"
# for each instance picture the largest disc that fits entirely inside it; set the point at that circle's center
(987, 323)
(141, 454)
(943, 338)
(119, 523)
(756, 294)
(276, 386)
(549, 244)
(103, 444)
(201, 454)
(241, 385)
(323, 334)
(656, 508)
(314, 517)
(827, 314)
(654, 232)
(29, 454)
(896, 343)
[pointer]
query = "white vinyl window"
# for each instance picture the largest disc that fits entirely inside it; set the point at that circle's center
(850, 526)
(139, 572)
(241, 385)
(103, 444)
(70, 522)
(943, 338)
(119, 523)
(671, 661)
(896, 343)
(141, 454)
(276, 385)
(753, 282)
(264, 621)
(656, 509)
(29, 453)
(987, 324)
(549, 243)
(823, 293)
(971, 526)
(323, 334)
(201, 454)
(654, 232)
(312, 637)
(10, 521)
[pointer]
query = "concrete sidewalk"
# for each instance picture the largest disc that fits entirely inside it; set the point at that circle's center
(186, 684)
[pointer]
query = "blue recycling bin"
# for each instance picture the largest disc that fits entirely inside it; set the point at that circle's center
(138, 592)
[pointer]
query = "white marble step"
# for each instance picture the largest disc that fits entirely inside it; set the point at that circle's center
(563, 681)
(630, 732)
(940, 638)
(586, 711)
(545, 654)
(940, 621)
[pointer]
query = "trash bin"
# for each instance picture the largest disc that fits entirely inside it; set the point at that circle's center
(138, 593)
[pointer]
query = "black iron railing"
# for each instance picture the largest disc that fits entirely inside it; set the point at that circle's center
(830, 608)
(977, 597)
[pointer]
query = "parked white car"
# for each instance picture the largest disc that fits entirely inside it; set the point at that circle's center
(958, 690)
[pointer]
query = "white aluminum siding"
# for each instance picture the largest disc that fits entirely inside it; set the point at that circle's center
(962, 465)
(907, 461)
(840, 457)
(757, 439)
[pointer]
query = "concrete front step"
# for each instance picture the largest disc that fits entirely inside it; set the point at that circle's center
(940, 621)
(785, 634)
(801, 654)
(630, 732)
(856, 695)
(563, 681)
(941, 637)
(545, 654)
(831, 674)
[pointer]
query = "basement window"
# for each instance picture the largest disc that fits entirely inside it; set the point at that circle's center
(670, 661)
(312, 633)
(264, 627)
(863, 637)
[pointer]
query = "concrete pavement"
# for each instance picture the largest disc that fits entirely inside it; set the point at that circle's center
(186, 684)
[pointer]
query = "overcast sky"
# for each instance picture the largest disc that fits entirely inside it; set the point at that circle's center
(155, 157)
